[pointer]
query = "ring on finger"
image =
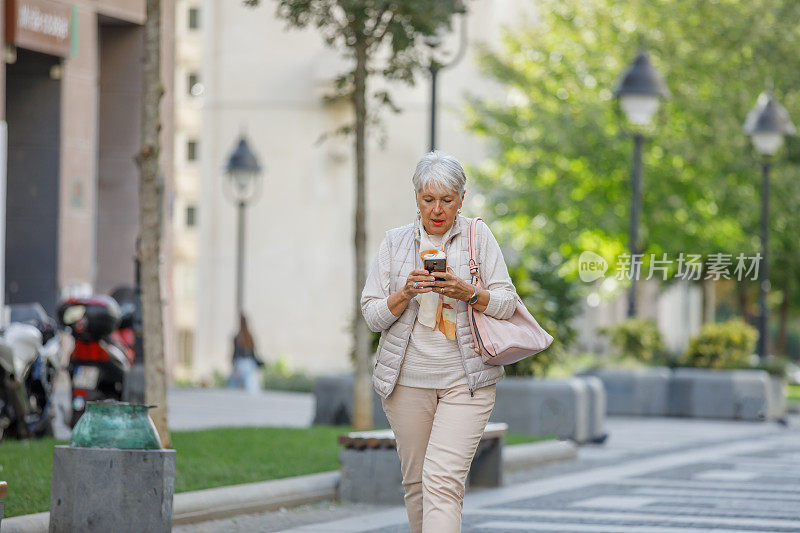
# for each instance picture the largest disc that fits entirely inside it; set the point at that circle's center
(442, 290)
(415, 285)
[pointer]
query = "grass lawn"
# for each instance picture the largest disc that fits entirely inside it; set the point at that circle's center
(208, 458)
(793, 394)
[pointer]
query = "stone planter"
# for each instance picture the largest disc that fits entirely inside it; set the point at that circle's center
(693, 392)
(107, 489)
(732, 394)
(568, 408)
(113, 476)
(642, 392)
(334, 402)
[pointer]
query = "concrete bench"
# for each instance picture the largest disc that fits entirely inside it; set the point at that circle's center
(371, 467)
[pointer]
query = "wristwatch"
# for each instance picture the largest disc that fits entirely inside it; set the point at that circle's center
(474, 297)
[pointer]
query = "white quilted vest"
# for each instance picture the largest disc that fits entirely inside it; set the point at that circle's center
(404, 250)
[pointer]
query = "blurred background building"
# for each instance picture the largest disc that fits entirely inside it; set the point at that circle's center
(70, 101)
(71, 104)
(239, 70)
(188, 97)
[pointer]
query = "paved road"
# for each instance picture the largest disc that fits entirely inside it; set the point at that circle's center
(653, 475)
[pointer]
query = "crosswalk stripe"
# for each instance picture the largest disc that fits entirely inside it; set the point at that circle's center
(639, 517)
(619, 502)
(726, 475)
(660, 482)
(719, 493)
(578, 527)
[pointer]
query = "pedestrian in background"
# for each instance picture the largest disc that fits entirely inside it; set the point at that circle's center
(245, 360)
(435, 389)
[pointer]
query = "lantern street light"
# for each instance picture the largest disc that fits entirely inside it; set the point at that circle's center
(243, 185)
(433, 42)
(639, 92)
(766, 124)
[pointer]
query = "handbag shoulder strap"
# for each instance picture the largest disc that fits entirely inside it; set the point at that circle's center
(473, 262)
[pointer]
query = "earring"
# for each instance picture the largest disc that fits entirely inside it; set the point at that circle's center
(459, 211)
(419, 212)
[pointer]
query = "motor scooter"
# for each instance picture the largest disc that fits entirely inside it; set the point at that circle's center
(29, 364)
(103, 351)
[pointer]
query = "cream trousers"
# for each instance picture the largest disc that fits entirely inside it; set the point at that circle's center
(437, 432)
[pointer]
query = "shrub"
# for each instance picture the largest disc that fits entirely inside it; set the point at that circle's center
(726, 344)
(280, 376)
(637, 338)
(776, 366)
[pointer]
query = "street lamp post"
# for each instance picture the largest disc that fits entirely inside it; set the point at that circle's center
(639, 92)
(434, 42)
(766, 124)
(243, 185)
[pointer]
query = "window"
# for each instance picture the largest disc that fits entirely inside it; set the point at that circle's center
(193, 84)
(191, 150)
(191, 216)
(194, 18)
(185, 347)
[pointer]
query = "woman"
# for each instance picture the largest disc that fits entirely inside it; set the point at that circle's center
(245, 360)
(434, 387)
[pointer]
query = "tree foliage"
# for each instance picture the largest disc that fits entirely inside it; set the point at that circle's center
(559, 181)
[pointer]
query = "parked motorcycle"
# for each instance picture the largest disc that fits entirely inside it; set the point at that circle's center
(29, 364)
(103, 352)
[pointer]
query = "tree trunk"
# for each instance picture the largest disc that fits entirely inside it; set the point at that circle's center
(783, 314)
(151, 192)
(744, 301)
(709, 300)
(362, 389)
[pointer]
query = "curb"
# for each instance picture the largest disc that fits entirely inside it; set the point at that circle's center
(528, 455)
(224, 502)
(248, 498)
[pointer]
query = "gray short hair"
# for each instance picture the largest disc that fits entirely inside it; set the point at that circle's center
(441, 171)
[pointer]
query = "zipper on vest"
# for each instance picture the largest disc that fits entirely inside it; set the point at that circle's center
(458, 341)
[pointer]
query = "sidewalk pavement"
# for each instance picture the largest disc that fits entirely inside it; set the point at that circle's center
(653, 475)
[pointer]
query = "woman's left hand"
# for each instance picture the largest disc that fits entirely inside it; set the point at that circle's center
(453, 286)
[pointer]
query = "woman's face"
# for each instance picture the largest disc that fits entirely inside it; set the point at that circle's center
(438, 209)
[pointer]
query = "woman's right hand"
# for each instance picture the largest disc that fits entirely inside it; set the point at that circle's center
(424, 282)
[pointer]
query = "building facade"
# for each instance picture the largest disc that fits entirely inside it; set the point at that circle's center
(70, 103)
(188, 94)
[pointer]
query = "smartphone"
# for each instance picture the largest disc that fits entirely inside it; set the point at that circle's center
(436, 265)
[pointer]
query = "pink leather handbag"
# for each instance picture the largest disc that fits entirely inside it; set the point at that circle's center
(502, 342)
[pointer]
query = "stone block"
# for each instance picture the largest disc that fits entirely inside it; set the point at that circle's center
(778, 408)
(108, 489)
(638, 392)
(536, 406)
(371, 476)
(731, 394)
(334, 402)
(596, 408)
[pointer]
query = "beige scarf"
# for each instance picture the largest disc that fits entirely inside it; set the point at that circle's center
(436, 310)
